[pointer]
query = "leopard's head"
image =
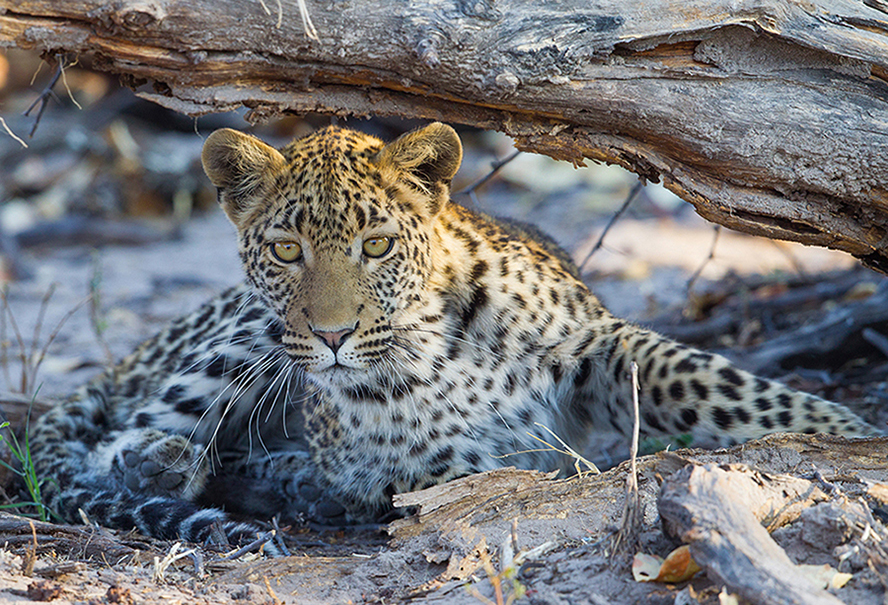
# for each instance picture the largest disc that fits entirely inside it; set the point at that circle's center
(334, 234)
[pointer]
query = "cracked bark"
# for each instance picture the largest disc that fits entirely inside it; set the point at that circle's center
(770, 117)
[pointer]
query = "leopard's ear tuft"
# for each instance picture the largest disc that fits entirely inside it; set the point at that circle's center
(426, 159)
(241, 167)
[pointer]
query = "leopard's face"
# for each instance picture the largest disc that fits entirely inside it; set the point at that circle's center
(335, 237)
(336, 258)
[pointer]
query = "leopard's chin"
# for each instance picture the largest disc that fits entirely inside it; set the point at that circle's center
(337, 376)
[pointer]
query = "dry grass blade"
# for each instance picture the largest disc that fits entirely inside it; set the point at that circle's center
(567, 451)
(31, 357)
(62, 68)
(626, 540)
(307, 25)
(161, 565)
(716, 231)
(12, 134)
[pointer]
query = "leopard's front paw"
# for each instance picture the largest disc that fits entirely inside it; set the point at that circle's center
(311, 499)
(161, 465)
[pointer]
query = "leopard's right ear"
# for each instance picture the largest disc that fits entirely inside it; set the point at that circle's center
(241, 167)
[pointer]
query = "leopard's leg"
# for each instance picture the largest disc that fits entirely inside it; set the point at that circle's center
(152, 462)
(684, 391)
(139, 478)
(286, 483)
(61, 442)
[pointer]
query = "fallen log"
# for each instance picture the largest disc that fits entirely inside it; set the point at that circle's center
(770, 117)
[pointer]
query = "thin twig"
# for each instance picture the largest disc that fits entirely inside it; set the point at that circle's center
(279, 536)
(274, 598)
(4, 343)
(256, 544)
(636, 189)
(636, 426)
(716, 231)
(38, 324)
(197, 560)
(19, 339)
(43, 99)
(31, 357)
(30, 556)
(792, 258)
(95, 308)
(54, 334)
(494, 168)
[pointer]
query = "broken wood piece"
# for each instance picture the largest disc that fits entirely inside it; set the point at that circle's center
(720, 510)
(75, 541)
(695, 98)
(470, 491)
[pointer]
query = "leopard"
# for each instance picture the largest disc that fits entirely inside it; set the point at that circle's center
(386, 339)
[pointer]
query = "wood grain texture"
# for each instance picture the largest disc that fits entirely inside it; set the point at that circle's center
(771, 117)
(719, 511)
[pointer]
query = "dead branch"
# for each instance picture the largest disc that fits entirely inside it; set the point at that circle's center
(720, 514)
(770, 117)
(834, 336)
(824, 336)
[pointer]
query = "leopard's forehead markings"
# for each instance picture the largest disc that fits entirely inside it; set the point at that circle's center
(330, 174)
(332, 147)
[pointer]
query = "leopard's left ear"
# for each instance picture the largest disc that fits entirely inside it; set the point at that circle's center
(425, 159)
(242, 167)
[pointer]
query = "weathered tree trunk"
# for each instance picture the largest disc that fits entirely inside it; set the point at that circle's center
(770, 116)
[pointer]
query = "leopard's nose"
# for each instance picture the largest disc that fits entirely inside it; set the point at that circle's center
(335, 339)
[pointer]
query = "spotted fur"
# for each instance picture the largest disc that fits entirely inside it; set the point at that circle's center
(336, 378)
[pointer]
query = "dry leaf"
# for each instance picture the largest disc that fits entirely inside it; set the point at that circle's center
(646, 568)
(677, 567)
(825, 576)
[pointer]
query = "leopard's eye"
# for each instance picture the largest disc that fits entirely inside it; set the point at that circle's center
(376, 247)
(286, 252)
